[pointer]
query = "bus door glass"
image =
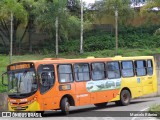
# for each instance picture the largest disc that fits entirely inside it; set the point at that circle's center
(129, 78)
(46, 82)
(144, 72)
(98, 78)
(82, 75)
(146, 76)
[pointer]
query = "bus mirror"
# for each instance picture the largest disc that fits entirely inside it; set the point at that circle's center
(4, 79)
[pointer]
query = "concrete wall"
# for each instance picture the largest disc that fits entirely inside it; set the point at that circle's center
(157, 60)
(3, 102)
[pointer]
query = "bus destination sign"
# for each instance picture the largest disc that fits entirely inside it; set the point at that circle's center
(20, 66)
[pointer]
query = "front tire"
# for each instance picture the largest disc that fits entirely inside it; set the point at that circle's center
(65, 106)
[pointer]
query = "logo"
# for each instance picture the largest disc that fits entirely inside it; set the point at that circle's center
(138, 80)
(6, 114)
(21, 114)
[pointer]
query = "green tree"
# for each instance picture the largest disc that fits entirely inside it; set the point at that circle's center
(20, 17)
(119, 8)
(29, 6)
(151, 10)
(157, 32)
(151, 4)
(74, 7)
(48, 11)
(108, 7)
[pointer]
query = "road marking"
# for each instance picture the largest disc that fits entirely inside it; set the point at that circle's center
(140, 110)
(144, 109)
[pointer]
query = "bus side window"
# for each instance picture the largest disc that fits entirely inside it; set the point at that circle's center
(46, 77)
(149, 67)
(46, 80)
(140, 67)
(98, 71)
(65, 73)
(81, 72)
(127, 69)
(113, 70)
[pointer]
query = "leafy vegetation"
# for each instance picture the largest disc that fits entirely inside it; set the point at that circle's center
(32, 15)
(129, 37)
(40, 15)
(155, 109)
(108, 7)
(8, 7)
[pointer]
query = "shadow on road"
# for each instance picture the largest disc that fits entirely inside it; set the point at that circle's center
(140, 101)
(90, 111)
(73, 113)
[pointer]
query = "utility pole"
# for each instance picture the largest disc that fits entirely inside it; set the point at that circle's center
(56, 25)
(116, 30)
(11, 38)
(81, 37)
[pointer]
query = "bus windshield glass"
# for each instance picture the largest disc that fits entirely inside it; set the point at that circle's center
(22, 82)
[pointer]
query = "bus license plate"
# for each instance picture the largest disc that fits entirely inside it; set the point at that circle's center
(19, 107)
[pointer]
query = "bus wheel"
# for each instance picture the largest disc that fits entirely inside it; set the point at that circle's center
(125, 98)
(101, 104)
(65, 106)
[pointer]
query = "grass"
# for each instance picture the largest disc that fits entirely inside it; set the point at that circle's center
(155, 109)
(4, 59)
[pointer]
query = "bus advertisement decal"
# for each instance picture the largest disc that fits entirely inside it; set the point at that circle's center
(101, 85)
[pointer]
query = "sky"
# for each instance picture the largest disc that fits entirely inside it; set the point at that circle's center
(89, 1)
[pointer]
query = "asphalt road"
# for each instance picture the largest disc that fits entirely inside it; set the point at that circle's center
(110, 112)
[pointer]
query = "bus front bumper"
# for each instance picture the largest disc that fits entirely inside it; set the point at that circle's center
(27, 107)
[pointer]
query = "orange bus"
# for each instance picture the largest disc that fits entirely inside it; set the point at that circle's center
(53, 84)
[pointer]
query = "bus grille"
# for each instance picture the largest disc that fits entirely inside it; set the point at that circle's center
(19, 108)
(19, 103)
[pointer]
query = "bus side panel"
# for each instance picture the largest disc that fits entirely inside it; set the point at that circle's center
(149, 82)
(66, 89)
(148, 85)
(104, 90)
(48, 100)
(155, 84)
(82, 95)
(106, 96)
(134, 84)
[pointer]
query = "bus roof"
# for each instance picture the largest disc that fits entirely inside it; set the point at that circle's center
(63, 60)
(89, 59)
(132, 58)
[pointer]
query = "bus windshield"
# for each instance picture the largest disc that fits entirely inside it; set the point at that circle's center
(22, 82)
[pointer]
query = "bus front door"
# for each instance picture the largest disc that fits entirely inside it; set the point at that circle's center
(46, 83)
(145, 72)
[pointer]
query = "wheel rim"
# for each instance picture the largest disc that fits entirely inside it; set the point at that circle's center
(125, 98)
(67, 106)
